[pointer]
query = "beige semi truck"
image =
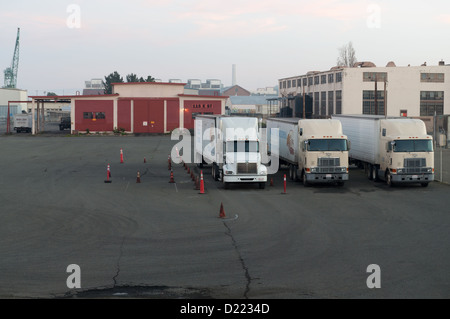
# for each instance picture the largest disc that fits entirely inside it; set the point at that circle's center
(316, 150)
(397, 150)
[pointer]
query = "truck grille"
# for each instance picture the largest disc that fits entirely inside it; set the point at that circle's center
(328, 161)
(415, 165)
(246, 168)
(329, 165)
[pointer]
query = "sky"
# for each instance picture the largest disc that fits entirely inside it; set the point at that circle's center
(64, 43)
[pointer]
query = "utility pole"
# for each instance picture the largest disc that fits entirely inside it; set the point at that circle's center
(385, 100)
(376, 96)
(304, 103)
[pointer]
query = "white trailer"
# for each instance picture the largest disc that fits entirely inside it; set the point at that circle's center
(23, 123)
(397, 150)
(316, 150)
(231, 146)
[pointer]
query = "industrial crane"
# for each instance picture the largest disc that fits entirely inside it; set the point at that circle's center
(11, 72)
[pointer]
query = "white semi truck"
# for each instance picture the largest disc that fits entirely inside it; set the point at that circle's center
(231, 145)
(316, 150)
(397, 150)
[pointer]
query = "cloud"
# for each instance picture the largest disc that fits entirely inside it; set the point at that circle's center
(239, 18)
(444, 18)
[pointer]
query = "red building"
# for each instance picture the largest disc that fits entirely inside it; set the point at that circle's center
(151, 107)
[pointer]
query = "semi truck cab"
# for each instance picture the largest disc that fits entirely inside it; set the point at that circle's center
(407, 159)
(324, 159)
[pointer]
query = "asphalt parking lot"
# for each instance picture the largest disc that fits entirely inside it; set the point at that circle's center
(157, 239)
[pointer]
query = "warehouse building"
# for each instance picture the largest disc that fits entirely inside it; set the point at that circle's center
(400, 91)
(152, 107)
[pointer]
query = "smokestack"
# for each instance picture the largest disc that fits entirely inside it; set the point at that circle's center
(233, 81)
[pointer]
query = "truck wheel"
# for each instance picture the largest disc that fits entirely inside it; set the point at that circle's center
(369, 171)
(291, 172)
(375, 173)
(424, 184)
(389, 179)
(225, 184)
(262, 185)
(305, 181)
(294, 173)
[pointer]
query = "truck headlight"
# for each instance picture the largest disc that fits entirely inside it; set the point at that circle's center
(344, 169)
(313, 169)
(429, 170)
(400, 171)
(228, 172)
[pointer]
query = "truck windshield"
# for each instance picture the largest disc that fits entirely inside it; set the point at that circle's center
(321, 145)
(413, 146)
(242, 146)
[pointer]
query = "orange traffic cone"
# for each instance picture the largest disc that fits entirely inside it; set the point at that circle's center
(171, 177)
(202, 184)
(145, 161)
(222, 212)
(138, 179)
(170, 163)
(108, 174)
(271, 182)
(121, 156)
(188, 170)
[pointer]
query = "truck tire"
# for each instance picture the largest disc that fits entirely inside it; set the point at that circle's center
(291, 172)
(225, 184)
(294, 173)
(389, 179)
(262, 185)
(215, 172)
(368, 169)
(424, 184)
(375, 173)
(304, 180)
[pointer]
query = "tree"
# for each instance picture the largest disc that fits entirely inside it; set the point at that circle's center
(148, 79)
(132, 78)
(347, 56)
(51, 94)
(110, 79)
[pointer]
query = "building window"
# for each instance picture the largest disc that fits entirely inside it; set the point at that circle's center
(305, 81)
(331, 78)
(330, 102)
(88, 115)
(316, 103)
(431, 102)
(323, 103)
(432, 77)
(339, 77)
(372, 76)
(299, 82)
(310, 81)
(289, 84)
(369, 105)
(323, 79)
(339, 102)
(294, 83)
(316, 80)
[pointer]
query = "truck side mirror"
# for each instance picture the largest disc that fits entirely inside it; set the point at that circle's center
(349, 145)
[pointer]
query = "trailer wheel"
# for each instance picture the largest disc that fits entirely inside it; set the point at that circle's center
(424, 184)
